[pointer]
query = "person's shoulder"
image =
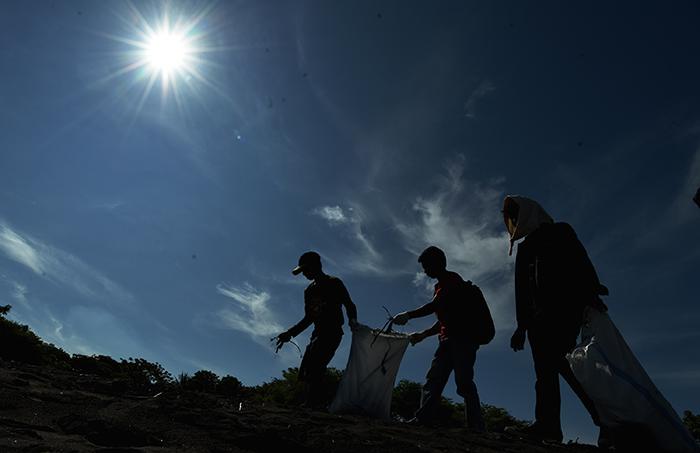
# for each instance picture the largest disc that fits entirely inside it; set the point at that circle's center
(563, 226)
(548, 231)
(334, 281)
(563, 230)
(451, 278)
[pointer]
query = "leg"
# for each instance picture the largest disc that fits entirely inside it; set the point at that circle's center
(568, 375)
(435, 380)
(547, 396)
(317, 356)
(463, 358)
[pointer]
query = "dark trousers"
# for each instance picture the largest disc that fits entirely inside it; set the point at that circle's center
(317, 356)
(549, 348)
(458, 355)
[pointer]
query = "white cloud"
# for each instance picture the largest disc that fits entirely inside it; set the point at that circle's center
(364, 256)
(249, 311)
(463, 219)
(60, 267)
(482, 90)
(19, 293)
(17, 249)
(333, 214)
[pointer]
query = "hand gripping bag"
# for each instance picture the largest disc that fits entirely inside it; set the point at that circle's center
(629, 404)
(368, 383)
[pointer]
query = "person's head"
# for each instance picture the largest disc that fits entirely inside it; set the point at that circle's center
(522, 216)
(433, 261)
(510, 214)
(309, 265)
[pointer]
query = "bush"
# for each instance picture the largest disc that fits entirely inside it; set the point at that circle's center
(692, 422)
(203, 381)
(289, 390)
(19, 343)
(406, 400)
(101, 365)
(497, 419)
(145, 375)
(230, 387)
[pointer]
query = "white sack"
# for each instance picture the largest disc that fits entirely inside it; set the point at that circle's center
(623, 393)
(369, 378)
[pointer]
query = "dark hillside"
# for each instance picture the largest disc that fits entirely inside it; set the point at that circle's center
(44, 409)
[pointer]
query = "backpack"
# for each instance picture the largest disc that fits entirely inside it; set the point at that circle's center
(479, 321)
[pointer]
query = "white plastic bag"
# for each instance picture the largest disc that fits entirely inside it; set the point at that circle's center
(628, 402)
(369, 378)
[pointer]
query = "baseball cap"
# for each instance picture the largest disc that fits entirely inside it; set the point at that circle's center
(305, 259)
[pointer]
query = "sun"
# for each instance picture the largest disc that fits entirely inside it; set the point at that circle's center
(167, 51)
(164, 46)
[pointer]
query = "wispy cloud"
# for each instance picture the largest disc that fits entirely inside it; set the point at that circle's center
(60, 267)
(249, 311)
(463, 219)
(461, 216)
(365, 254)
(482, 90)
(333, 214)
(19, 293)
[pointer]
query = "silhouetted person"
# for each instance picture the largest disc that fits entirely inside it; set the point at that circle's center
(554, 282)
(696, 198)
(462, 317)
(323, 302)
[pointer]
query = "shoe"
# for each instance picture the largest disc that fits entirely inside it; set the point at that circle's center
(536, 433)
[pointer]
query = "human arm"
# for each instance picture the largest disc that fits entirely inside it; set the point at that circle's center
(517, 341)
(417, 337)
(299, 327)
(350, 307)
(431, 307)
(351, 310)
(287, 335)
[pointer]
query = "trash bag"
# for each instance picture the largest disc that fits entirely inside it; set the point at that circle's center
(629, 404)
(368, 383)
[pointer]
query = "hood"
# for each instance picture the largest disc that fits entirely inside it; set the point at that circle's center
(530, 216)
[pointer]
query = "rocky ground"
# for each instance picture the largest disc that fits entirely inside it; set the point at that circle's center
(45, 410)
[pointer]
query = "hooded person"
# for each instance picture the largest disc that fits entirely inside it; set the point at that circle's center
(554, 282)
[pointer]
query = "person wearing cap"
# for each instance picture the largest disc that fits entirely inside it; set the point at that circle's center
(554, 282)
(323, 302)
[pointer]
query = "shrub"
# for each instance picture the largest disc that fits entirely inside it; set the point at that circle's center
(19, 343)
(692, 422)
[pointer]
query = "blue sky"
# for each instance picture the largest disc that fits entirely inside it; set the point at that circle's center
(162, 220)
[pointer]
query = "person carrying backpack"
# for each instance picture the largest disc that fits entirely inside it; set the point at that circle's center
(463, 323)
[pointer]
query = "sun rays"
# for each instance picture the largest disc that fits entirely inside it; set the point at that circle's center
(163, 48)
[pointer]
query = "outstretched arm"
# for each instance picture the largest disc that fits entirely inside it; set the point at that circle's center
(292, 332)
(420, 336)
(425, 310)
